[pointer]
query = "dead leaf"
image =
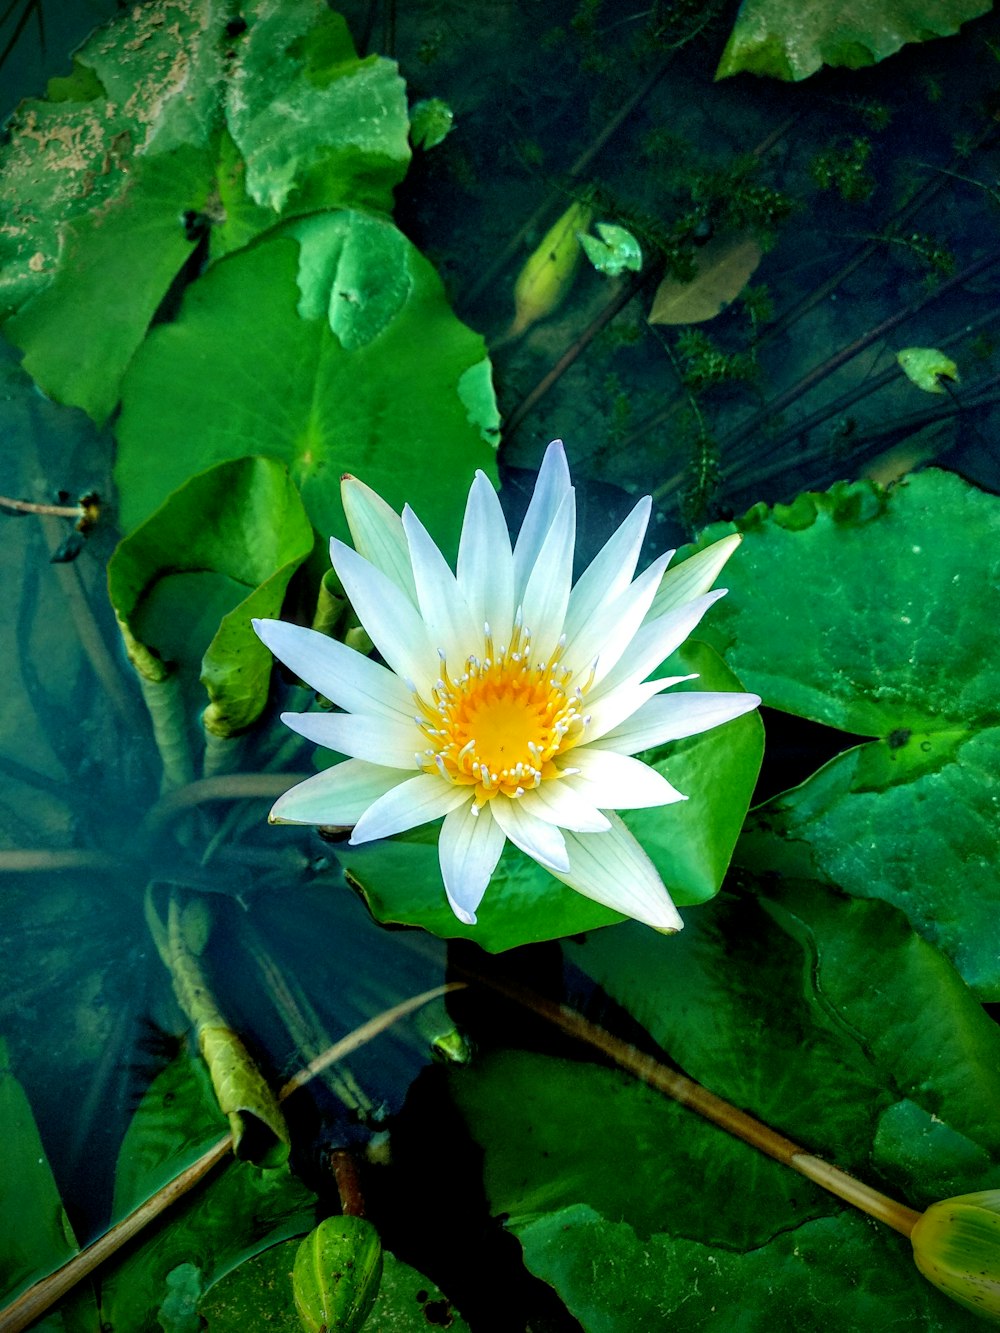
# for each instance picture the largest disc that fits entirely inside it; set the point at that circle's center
(723, 268)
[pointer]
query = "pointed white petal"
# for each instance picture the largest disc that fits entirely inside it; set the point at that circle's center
(611, 868)
(610, 571)
(610, 711)
(551, 487)
(469, 848)
(380, 740)
(546, 595)
(377, 533)
(485, 563)
(338, 796)
(608, 634)
(415, 801)
(388, 615)
(655, 641)
(340, 674)
(557, 803)
(442, 604)
(541, 841)
(616, 782)
(671, 717)
(693, 577)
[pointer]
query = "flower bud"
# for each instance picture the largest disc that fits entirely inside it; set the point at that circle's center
(956, 1245)
(336, 1276)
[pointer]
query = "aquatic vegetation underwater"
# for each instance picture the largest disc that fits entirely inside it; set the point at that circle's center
(548, 999)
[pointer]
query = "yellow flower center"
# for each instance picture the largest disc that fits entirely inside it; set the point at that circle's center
(499, 725)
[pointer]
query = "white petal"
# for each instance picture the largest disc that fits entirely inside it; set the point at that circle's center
(656, 640)
(380, 740)
(442, 604)
(551, 487)
(609, 632)
(377, 533)
(338, 796)
(610, 711)
(546, 595)
(469, 848)
(616, 782)
(693, 577)
(557, 803)
(611, 868)
(610, 571)
(541, 841)
(671, 717)
(388, 615)
(415, 801)
(340, 674)
(485, 564)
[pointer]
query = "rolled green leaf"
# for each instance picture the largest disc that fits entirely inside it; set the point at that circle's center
(956, 1245)
(260, 1134)
(338, 1268)
(184, 590)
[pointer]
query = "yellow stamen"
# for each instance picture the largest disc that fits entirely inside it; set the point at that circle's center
(499, 725)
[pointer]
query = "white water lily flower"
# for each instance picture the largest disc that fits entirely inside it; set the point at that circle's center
(512, 702)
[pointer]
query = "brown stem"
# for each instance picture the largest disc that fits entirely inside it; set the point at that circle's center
(728, 1117)
(29, 507)
(32, 1303)
(604, 316)
(344, 1166)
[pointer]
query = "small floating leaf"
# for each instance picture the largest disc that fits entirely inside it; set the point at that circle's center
(338, 1268)
(722, 269)
(430, 121)
(927, 367)
(616, 251)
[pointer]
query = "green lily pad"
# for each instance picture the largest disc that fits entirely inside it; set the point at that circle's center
(791, 39)
(243, 527)
(109, 183)
(316, 126)
(838, 1273)
(827, 1018)
(259, 1294)
(79, 333)
(690, 842)
(887, 1018)
(355, 364)
(876, 612)
(144, 84)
